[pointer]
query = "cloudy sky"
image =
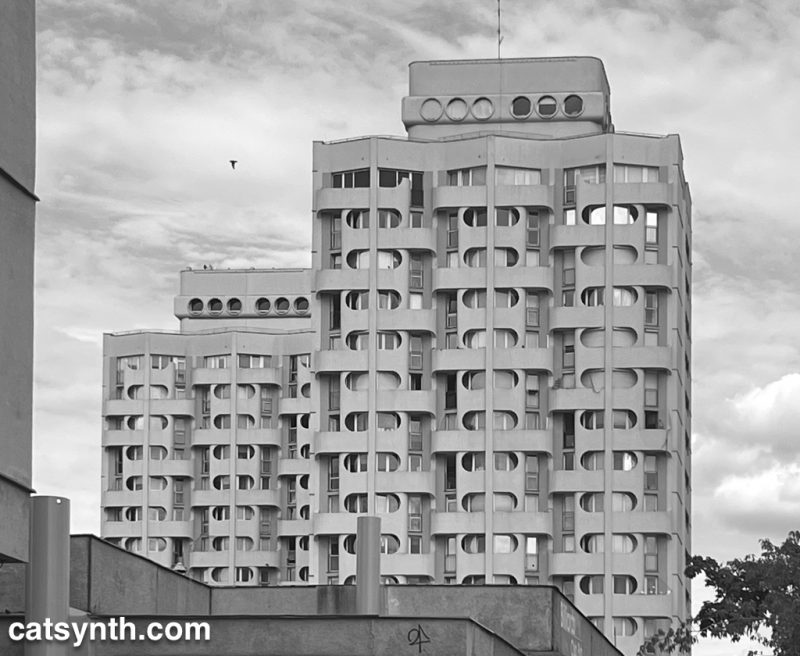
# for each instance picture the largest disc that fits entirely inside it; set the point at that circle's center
(143, 102)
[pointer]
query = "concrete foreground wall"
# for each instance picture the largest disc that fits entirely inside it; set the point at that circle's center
(305, 636)
(109, 582)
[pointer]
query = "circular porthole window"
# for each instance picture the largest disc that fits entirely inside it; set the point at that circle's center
(546, 106)
(262, 305)
(521, 107)
(215, 306)
(457, 109)
(282, 305)
(482, 109)
(431, 110)
(301, 305)
(195, 306)
(234, 306)
(573, 106)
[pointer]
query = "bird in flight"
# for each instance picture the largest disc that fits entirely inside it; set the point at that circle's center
(233, 163)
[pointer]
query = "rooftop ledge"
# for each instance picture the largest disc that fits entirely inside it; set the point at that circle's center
(490, 133)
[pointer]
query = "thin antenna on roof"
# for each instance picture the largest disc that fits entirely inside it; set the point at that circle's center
(499, 37)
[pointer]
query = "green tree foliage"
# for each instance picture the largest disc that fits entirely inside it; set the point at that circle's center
(756, 597)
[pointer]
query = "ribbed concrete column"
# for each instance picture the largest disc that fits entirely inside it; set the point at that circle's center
(368, 565)
(48, 570)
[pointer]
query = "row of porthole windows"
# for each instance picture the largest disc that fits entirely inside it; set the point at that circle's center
(246, 421)
(245, 482)
(482, 109)
(620, 502)
(389, 299)
(473, 502)
(263, 306)
(153, 544)
(472, 380)
(505, 217)
(473, 420)
(245, 574)
(390, 341)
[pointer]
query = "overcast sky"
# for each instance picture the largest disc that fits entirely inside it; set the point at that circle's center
(142, 104)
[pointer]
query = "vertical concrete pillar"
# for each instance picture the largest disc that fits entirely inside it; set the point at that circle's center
(48, 570)
(368, 565)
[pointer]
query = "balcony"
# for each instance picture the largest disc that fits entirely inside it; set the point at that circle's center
(423, 401)
(641, 439)
(211, 436)
(644, 605)
(340, 523)
(342, 359)
(294, 527)
(450, 441)
(447, 196)
(523, 358)
(647, 193)
(524, 522)
(123, 438)
(354, 238)
(398, 198)
(420, 239)
(401, 564)
(123, 529)
(341, 199)
(651, 357)
(260, 376)
(581, 234)
(562, 563)
(211, 376)
(537, 277)
(171, 529)
(566, 481)
(184, 468)
(523, 440)
(340, 442)
(443, 523)
(294, 405)
(259, 436)
(644, 522)
(420, 482)
(460, 277)
(528, 195)
(575, 399)
(577, 317)
(405, 319)
(123, 407)
(256, 497)
(293, 466)
(209, 497)
(208, 559)
(123, 497)
(459, 359)
(257, 558)
(647, 275)
(341, 279)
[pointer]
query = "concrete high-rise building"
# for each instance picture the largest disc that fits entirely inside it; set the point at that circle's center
(491, 352)
(17, 215)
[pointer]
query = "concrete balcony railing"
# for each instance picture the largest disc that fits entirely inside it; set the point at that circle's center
(526, 195)
(341, 199)
(459, 196)
(443, 523)
(340, 442)
(400, 564)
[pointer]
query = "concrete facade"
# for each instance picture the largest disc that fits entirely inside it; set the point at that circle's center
(308, 620)
(477, 355)
(17, 215)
